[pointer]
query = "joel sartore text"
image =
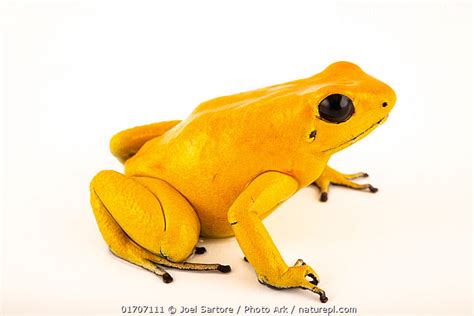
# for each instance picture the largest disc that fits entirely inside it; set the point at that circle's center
(238, 309)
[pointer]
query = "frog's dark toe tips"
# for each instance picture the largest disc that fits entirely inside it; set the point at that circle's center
(314, 280)
(324, 197)
(200, 250)
(373, 189)
(245, 259)
(323, 298)
(224, 268)
(167, 278)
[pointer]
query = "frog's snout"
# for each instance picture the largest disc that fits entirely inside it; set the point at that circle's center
(388, 98)
(388, 103)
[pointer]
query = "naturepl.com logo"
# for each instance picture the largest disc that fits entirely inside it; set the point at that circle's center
(325, 310)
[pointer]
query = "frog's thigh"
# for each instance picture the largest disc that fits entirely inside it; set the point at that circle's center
(182, 226)
(145, 211)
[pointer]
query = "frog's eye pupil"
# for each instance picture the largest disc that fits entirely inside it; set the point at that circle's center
(336, 108)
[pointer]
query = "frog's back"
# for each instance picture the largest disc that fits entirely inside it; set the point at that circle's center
(249, 97)
(227, 127)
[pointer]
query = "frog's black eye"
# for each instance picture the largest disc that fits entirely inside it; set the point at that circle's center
(336, 108)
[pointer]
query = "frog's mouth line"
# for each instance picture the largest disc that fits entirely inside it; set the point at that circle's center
(373, 126)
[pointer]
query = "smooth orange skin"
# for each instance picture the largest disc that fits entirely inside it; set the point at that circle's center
(226, 142)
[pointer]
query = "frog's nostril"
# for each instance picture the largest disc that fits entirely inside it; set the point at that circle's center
(384, 104)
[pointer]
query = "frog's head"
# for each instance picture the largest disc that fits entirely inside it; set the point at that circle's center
(347, 104)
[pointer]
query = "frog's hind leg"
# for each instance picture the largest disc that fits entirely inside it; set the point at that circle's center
(147, 222)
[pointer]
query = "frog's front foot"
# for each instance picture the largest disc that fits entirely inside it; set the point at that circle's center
(331, 176)
(298, 276)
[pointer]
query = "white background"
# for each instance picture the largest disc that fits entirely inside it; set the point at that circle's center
(75, 72)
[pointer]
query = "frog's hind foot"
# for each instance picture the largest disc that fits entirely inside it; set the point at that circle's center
(146, 222)
(331, 176)
(155, 264)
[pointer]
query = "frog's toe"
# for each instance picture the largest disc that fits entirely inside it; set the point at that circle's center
(323, 185)
(352, 176)
(324, 197)
(167, 278)
(191, 266)
(357, 186)
(224, 268)
(314, 280)
(345, 181)
(373, 189)
(199, 250)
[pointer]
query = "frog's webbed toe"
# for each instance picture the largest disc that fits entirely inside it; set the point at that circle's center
(331, 176)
